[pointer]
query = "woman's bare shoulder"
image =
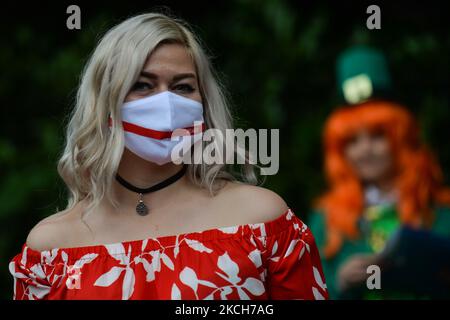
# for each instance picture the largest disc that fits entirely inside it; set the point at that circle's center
(54, 231)
(251, 204)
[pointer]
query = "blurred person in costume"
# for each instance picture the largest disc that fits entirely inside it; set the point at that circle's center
(381, 180)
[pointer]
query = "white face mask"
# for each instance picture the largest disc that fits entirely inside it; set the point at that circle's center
(149, 123)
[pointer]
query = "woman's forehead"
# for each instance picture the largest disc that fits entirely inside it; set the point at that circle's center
(170, 58)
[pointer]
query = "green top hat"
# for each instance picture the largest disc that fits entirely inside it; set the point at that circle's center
(362, 73)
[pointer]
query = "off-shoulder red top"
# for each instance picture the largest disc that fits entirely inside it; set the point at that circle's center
(271, 260)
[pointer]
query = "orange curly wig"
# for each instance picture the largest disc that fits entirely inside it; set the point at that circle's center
(418, 179)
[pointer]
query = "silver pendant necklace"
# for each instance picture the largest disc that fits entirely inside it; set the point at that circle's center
(142, 209)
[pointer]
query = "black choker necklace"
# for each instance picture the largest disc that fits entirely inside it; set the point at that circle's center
(141, 207)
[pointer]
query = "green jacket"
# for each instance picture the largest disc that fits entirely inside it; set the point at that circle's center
(382, 223)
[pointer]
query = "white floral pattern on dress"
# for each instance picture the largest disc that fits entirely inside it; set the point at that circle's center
(272, 260)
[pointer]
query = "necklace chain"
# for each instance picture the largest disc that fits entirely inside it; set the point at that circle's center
(141, 208)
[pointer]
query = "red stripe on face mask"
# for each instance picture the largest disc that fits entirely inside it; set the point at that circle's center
(155, 134)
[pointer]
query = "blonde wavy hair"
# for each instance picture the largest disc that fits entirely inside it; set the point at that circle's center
(92, 152)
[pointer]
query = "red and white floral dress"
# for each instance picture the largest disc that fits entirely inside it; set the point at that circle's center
(270, 260)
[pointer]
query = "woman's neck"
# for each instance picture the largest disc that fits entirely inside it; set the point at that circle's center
(385, 186)
(379, 192)
(142, 174)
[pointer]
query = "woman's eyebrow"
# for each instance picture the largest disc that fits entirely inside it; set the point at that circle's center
(183, 76)
(175, 78)
(148, 75)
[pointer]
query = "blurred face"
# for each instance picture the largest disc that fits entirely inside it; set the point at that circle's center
(168, 68)
(369, 155)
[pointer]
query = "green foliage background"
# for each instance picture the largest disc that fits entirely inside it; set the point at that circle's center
(277, 59)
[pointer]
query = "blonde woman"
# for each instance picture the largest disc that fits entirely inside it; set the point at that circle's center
(140, 226)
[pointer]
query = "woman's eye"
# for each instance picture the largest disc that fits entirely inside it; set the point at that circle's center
(184, 88)
(141, 86)
(351, 140)
(379, 134)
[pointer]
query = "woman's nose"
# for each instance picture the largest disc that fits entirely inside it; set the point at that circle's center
(162, 87)
(364, 143)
